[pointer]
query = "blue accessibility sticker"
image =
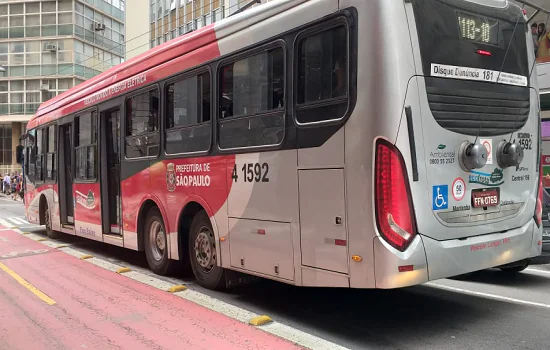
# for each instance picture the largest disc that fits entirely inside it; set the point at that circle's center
(440, 197)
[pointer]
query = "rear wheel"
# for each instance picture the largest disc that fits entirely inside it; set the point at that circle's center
(156, 244)
(48, 222)
(203, 254)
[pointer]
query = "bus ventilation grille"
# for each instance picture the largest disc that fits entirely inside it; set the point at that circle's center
(464, 106)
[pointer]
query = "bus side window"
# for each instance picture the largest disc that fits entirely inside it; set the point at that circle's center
(39, 156)
(50, 154)
(86, 146)
(252, 100)
(188, 115)
(142, 125)
(323, 75)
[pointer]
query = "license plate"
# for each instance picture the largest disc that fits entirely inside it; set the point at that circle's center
(485, 198)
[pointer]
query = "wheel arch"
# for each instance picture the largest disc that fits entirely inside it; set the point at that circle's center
(148, 203)
(194, 205)
(42, 204)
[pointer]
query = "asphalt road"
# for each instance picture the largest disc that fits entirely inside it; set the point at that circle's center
(489, 310)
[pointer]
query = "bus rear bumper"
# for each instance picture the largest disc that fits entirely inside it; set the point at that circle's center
(457, 257)
(427, 259)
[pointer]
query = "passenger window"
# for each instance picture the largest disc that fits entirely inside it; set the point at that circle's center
(142, 125)
(86, 146)
(50, 156)
(188, 127)
(39, 156)
(252, 101)
(322, 75)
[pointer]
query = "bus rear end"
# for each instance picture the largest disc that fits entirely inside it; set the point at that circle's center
(460, 189)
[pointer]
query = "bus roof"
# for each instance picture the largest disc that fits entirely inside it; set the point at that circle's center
(158, 55)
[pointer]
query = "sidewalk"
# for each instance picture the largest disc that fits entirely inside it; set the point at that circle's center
(52, 300)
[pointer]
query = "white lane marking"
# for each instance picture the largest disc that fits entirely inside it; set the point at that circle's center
(6, 223)
(13, 222)
(531, 269)
(19, 220)
(488, 295)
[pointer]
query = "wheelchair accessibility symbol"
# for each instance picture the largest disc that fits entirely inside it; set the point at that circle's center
(440, 197)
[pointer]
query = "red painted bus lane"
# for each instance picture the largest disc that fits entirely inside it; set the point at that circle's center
(99, 309)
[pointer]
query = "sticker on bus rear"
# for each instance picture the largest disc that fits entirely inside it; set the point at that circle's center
(487, 75)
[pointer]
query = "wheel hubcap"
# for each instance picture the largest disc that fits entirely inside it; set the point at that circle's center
(205, 249)
(157, 239)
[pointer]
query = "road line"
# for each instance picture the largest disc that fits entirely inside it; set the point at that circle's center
(19, 221)
(5, 223)
(530, 269)
(27, 285)
(488, 295)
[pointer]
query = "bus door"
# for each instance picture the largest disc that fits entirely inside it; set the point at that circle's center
(66, 201)
(110, 189)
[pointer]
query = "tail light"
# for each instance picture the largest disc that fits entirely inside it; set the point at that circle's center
(538, 208)
(394, 209)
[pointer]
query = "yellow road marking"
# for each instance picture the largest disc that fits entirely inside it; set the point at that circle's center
(175, 289)
(123, 270)
(260, 320)
(27, 285)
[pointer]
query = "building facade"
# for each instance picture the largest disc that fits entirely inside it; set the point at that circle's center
(47, 47)
(168, 19)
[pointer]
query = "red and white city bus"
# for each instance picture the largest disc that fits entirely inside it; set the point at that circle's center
(341, 143)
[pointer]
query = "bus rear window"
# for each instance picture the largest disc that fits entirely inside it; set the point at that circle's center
(451, 31)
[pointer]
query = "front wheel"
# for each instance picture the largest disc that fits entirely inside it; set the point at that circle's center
(203, 255)
(156, 244)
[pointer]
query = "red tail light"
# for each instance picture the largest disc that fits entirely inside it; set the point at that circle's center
(394, 209)
(538, 209)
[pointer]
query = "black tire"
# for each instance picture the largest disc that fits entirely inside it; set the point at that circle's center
(514, 269)
(201, 236)
(156, 249)
(48, 222)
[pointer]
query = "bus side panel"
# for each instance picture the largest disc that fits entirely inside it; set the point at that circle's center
(262, 205)
(274, 197)
(87, 210)
(384, 68)
(178, 182)
(133, 189)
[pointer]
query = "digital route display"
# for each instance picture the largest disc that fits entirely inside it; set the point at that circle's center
(477, 28)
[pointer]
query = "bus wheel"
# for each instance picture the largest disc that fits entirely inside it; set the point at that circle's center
(203, 255)
(156, 244)
(48, 222)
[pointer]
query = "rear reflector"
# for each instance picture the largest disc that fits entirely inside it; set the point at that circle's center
(405, 268)
(394, 208)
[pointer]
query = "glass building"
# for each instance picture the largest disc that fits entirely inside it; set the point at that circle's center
(170, 18)
(47, 47)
